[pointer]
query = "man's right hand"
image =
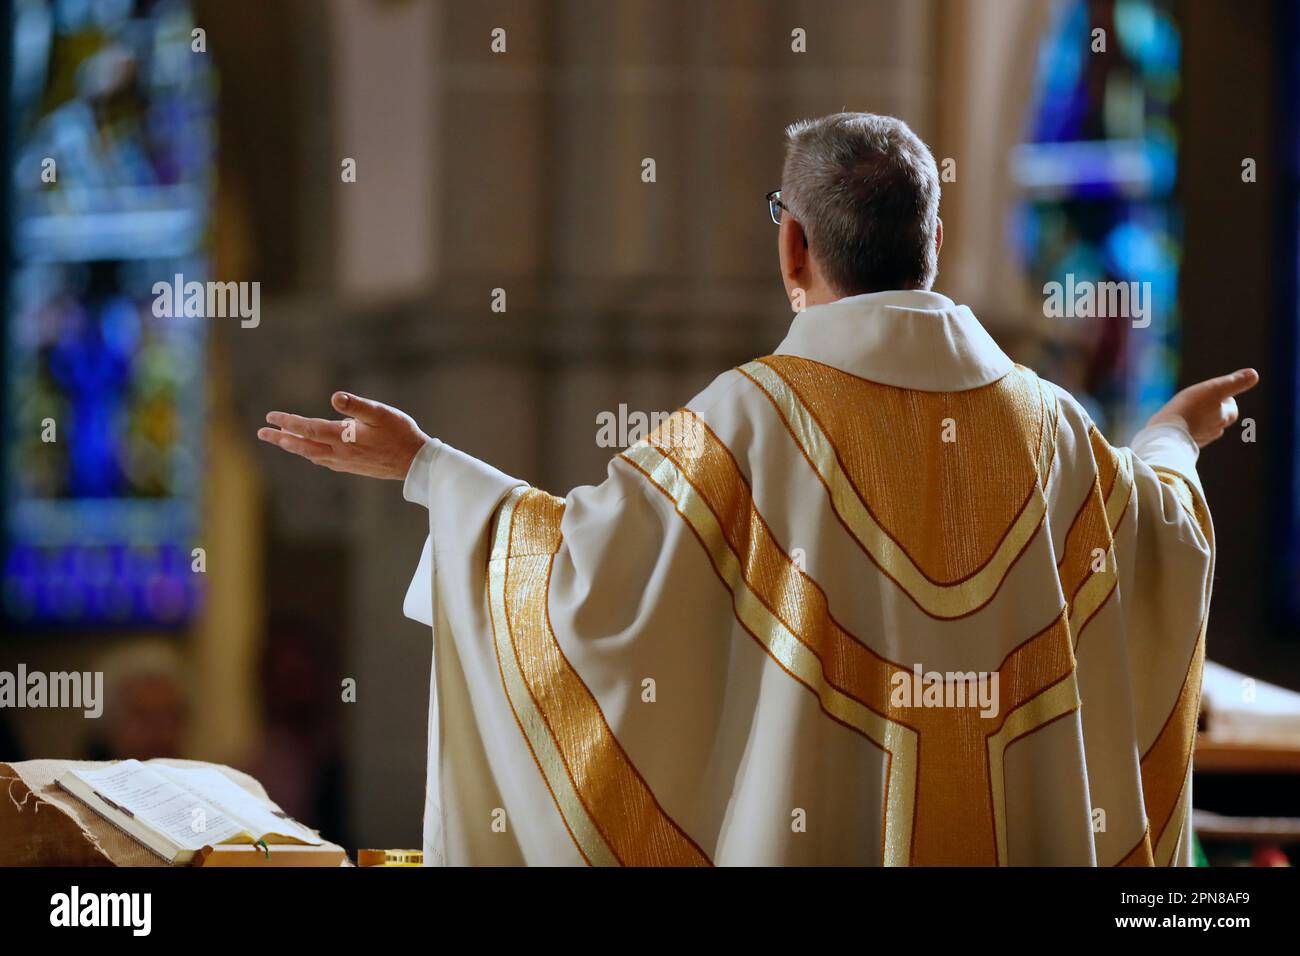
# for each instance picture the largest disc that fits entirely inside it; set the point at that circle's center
(378, 441)
(1207, 408)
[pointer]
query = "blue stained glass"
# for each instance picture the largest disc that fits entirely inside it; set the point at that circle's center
(1148, 35)
(101, 514)
(1061, 100)
(1097, 173)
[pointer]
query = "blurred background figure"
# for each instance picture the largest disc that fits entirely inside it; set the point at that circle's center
(298, 754)
(146, 704)
(10, 749)
(512, 217)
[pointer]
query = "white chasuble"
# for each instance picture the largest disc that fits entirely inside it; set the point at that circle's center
(881, 597)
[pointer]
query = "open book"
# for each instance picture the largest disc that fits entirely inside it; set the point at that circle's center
(175, 811)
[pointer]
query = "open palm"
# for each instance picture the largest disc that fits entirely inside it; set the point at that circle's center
(377, 441)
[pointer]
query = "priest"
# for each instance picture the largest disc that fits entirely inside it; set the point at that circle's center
(882, 596)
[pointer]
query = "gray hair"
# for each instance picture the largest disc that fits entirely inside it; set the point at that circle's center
(866, 190)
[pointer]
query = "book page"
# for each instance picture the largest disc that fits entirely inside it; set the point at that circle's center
(210, 784)
(178, 814)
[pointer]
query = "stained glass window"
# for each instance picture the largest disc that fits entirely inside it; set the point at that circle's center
(1097, 173)
(1288, 581)
(110, 181)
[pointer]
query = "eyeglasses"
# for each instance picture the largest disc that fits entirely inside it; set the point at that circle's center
(774, 205)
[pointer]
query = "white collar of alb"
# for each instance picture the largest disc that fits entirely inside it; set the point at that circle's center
(910, 338)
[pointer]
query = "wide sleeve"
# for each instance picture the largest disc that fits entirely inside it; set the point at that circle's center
(461, 494)
(566, 637)
(1173, 574)
(1163, 543)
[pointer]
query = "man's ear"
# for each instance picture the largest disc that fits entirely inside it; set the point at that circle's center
(793, 247)
(938, 235)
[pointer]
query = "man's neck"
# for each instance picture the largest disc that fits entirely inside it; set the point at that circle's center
(837, 296)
